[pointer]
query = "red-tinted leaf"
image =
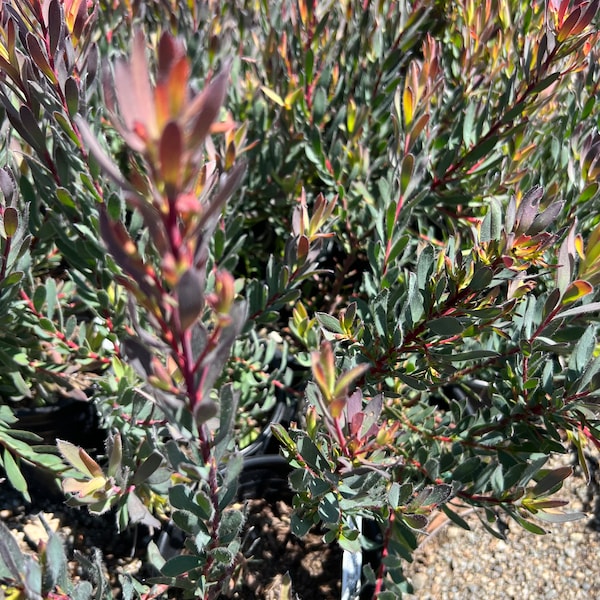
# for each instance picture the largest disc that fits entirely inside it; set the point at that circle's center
(171, 94)
(55, 26)
(169, 50)
(122, 248)
(38, 55)
(568, 25)
(134, 93)
(178, 86)
(204, 109)
(170, 153)
(586, 17)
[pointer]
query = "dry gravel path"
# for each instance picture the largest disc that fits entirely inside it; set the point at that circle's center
(455, 564)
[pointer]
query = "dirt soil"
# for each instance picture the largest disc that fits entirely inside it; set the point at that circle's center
(273, 555)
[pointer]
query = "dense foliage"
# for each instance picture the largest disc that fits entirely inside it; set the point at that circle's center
(380, 216)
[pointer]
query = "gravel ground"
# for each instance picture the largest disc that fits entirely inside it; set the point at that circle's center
(455, 564)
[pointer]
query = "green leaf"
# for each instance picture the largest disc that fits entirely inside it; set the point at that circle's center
(13, 472)
(491, 227)
(56, 560)
(147, 468)
(529, 526)
(329, 509)
(329, 323)
(179, 565)
(446, 326)
(230, 525)
(312, 455)
(417, 522)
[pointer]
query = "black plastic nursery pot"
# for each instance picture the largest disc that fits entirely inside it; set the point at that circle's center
(75, 421)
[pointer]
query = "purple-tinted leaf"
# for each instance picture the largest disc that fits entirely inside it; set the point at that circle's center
(528, 209)
(7, 184)
(586, 17)
(168, 51)
(170, 153)
(204, 109)
(142, 91)
(116, 239)
(31, 125)
(38, 55)
(205, 410)
(80, 20)
(190, 297)
(372, 411)
(11, 556)
(215, 360)
(55, 26)
(91, 63)
(551, 302)
(547, 217)
(353, 405)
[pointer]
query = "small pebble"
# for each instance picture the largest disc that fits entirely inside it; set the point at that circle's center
(455, 564)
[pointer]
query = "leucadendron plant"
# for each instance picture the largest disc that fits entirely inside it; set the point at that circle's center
(185, 312)
(384, 212)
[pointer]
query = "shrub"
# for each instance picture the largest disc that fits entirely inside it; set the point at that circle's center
(383, 210)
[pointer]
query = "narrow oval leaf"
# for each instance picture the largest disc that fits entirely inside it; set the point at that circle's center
(446, 326)
(190, 297)
(578, 289)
